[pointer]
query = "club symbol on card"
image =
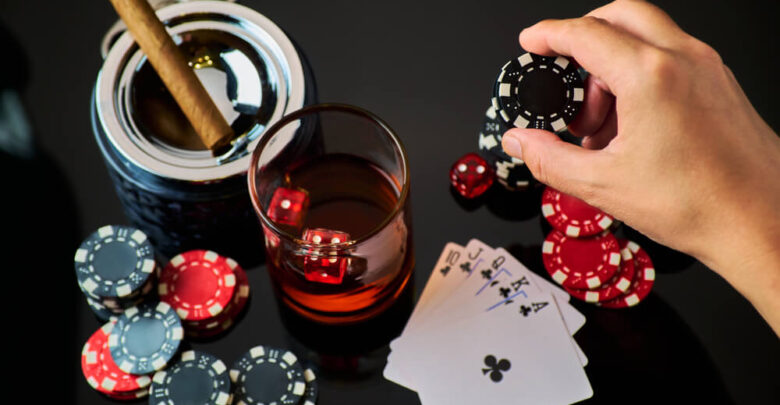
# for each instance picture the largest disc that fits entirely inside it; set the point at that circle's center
(444, 270)
(466, 267)
(496, 367)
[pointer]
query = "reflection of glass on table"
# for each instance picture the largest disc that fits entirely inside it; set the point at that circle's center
(335, 212)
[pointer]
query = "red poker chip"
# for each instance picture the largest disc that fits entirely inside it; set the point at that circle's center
(215, 326)
(573, 216)
(617, 285)
(581, 263)
(642, 284)
(130, 396)
(198, 284)
(102, 373)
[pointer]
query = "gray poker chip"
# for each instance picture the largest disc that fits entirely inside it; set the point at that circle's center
(145, 338)
(312, 387)
(114, 262)
(195, 378)
(100, 310)
(266, 375)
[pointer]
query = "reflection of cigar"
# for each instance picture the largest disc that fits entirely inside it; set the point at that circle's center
(176, 128)
(178, 77)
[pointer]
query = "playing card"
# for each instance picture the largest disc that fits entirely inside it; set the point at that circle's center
(465, 285)
(470, 265)
(519, 353)
(497, 279)
(443, 274)
(572, 318)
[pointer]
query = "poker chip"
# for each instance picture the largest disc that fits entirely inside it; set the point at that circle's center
(266, 375)
(490, 135)
(581, 263)
(617, 285)
(312, 387)
(103, 374)
(100, 310)
(195, 378)
(129, 396)
(214, 326)
(145, 338)
(115, 261)
(534, 91)
(642, 283)
(198, 284)
(573, 216)
(511, 173)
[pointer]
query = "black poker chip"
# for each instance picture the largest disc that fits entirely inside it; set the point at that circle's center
(514, 175)
(195, 378)
(511, 173)
(534, 91)
(493, 128)
(266, 375)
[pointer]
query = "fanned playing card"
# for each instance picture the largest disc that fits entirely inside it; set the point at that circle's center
(474, 292)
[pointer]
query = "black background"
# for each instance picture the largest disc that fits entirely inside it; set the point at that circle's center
(427, 68)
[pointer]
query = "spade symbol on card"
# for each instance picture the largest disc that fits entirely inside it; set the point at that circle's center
(496, 367)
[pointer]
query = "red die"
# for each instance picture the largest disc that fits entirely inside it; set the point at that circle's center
(471, 175)
(320, 266)
(288, 206)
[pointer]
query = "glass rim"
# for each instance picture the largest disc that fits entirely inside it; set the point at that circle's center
(298, 114)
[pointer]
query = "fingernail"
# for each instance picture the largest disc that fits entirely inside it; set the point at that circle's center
(512, 146)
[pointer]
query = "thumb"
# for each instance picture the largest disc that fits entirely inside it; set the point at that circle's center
(561, 165)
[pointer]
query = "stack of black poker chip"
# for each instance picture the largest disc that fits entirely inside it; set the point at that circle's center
(531, 91)
(116, 269)
(511, 172)
(267, 375)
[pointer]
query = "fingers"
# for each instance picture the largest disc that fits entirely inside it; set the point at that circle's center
(597, 104)
(606, 51)
(564, 166)
(642, 19)
(600, 138)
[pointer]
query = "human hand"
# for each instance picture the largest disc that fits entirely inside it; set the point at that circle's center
(670, 144)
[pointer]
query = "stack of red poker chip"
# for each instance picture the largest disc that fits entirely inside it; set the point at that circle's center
(104, 375)
(583, 255)
(207, 290)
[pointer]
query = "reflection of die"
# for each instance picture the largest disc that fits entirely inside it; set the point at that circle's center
(324, 266)
(288, 206)
(271, 240)
(471, 175)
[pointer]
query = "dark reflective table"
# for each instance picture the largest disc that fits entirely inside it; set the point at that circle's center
(427, 68)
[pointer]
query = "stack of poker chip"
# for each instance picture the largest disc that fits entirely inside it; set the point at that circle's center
(582, 255)
(266, 375)
(104, 375)
(531, 91)
(208, 291)
(511, 172)
(121, 357)
(115, 268)
(194, 378)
